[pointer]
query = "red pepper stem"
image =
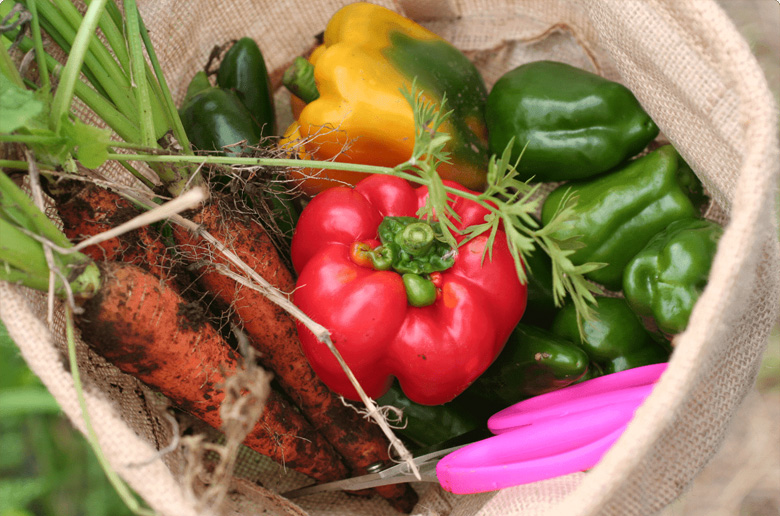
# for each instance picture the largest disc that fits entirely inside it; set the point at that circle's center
(420, 291)
(382, 258)
(417, 238)
(379, 258)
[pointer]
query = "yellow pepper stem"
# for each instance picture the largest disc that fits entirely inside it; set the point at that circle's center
(299, 79)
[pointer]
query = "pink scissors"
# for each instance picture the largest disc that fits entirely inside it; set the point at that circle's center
(543, 437)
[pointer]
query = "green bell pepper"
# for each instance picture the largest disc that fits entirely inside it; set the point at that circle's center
(573, 124)
(534, 361)
(243, 71)
(665, 279)
(429, 425)
(618, 213)
(616, 340)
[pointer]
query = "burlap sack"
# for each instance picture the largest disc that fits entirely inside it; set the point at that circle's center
(696, 77)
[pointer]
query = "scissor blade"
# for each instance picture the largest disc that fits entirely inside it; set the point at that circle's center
(348, 484)
(396, 474)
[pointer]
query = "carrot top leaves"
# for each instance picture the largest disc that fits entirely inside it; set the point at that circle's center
(33, 253)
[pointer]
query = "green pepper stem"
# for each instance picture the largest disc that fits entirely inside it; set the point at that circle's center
(299, 79)
(381, 258)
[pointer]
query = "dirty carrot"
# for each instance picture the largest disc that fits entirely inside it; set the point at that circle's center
(139, 325)
(147, 329)
(272, 331)
(93, 210)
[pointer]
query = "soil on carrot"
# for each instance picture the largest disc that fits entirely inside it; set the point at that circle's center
(192, 316)
(246, 194)
(93, 210)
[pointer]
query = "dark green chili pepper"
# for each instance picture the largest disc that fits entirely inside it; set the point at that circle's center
(244, 72)
(428, 425)
(534, 361)
(540, 309)
(215, 119)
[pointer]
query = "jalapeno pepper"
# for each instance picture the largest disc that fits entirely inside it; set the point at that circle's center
(243, 72)
(216, 119)
(615, 340)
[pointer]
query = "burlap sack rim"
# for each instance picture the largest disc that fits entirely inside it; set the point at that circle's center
(759, 173)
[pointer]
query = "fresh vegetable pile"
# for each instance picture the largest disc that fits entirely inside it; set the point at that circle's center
(414, 237)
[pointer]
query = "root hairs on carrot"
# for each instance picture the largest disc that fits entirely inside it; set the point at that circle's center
(272, 331)
(133, 322)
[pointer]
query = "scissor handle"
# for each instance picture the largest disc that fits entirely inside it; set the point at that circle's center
(545, 449)
(550, 435)
(518, 415)
(578, 396)
(457, 477)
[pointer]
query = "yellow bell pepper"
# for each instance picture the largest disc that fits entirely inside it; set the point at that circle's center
(355, 111)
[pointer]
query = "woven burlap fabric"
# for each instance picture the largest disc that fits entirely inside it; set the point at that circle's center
(696, 77)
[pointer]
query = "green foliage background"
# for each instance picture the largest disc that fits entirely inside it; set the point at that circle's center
(46, 467)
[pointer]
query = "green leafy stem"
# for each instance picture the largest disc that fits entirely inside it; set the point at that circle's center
(125, 88)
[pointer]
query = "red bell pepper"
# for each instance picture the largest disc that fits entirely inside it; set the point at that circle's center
(397, 300)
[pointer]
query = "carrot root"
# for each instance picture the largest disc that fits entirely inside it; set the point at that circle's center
(94, 210)
(135, 323)
(272, 331)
